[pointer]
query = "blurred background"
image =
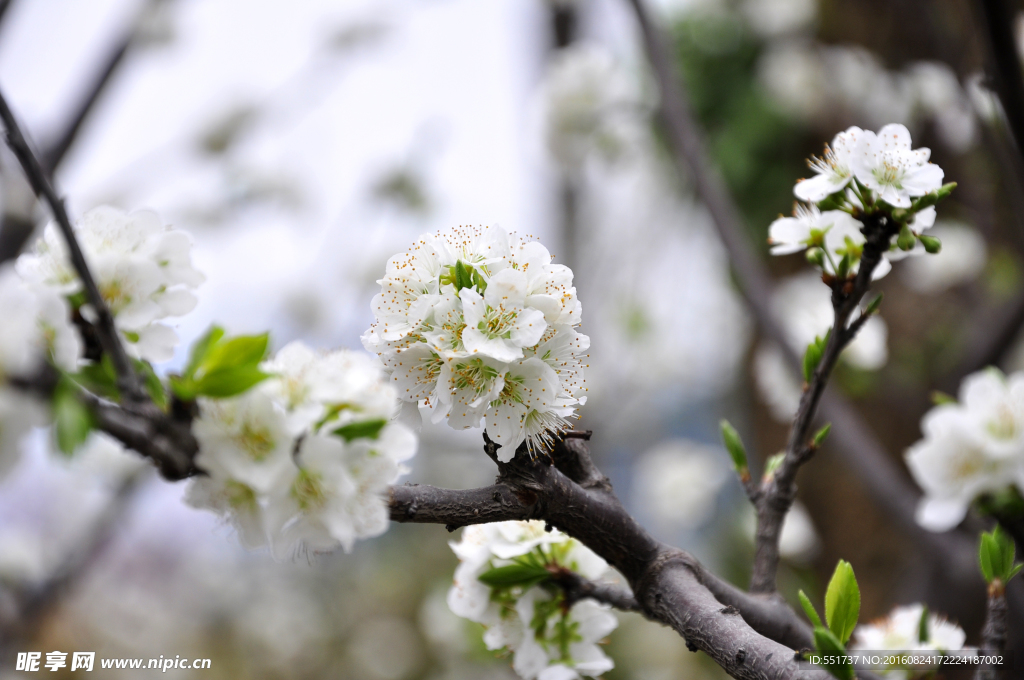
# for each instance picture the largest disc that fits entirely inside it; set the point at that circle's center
(303, 143)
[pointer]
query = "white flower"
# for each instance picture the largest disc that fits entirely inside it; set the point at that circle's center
(337, 493)
(142, 269)
(835, 232)
(547, 641)
(887, 165)
(305, 458)
(244, 439)
(36, 326)
(834, 171)
(777, 382)
(472, 323)
(901, 630)
(970, 448)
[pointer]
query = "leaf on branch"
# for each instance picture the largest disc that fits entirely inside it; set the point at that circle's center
(220, 367)
(514, 575)
(827, 643)
(812, 615)
(72, 420)
(842, 602)
(734, 445)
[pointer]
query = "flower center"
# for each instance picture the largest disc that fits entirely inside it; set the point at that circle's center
(255, 440)
(308, 491)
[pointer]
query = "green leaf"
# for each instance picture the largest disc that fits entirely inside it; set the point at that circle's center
(734, 445)
(805, 602)
(923, 634)
(842, 602)
(228, 382)
(772, 464)
(99, 378)
(843, 268)
(200, 348)
(986, 551)
(1016, 570)
(873, 306)
(513, 575)
(152, 383)
(827, 643)
(822, 435)
(72, 420)
(463, 279)
(243, 350)
(367, 428)
(812, 357)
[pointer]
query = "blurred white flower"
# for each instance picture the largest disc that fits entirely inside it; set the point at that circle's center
(962, 258)
(803, 304)
(19, 413)
(548, 642)
(772, 18)
(939, 96)
(677, 482)
(901, 630)
(969, 448)
(474, 323)
(36, 327)
(142, 268)
(887, 165)
(777, 382)
(592, 107)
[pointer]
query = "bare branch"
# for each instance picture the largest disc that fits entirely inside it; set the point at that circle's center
(127, 381)
(993, 635)
(578, 588)
(998, 17)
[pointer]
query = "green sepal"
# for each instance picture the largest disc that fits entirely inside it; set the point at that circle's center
(816, 257)
(933, 197)
(366, 428)
(842, 602)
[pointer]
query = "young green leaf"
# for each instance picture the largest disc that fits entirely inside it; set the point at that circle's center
(229, 381)
(72, 420)
(244, 350)
(873, 306)
(772, 464)
(812, 357)
(842, 602)
(812, 615)
(513, 575)
(822, 435)
(367, 428)
(200, 348)
(986, 554)
(923, 634)
(734, 445)
(827, 643)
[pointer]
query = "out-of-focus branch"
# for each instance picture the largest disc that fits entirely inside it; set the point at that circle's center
(999, 19)
(886, 483)
(127, 381)
(16, 226)
(993, 635)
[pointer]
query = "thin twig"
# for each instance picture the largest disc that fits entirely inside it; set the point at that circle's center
(578, 588)
(127, 381)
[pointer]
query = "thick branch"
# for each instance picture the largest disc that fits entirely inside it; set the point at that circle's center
(669, 585)
(126, 378)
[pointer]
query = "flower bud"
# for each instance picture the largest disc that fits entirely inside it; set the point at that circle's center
(930, 243)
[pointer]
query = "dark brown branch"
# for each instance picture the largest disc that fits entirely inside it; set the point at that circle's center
(993, 635)
(127, 381)
(999, 19)
(577, 588)
(884, 481)
(669, 585)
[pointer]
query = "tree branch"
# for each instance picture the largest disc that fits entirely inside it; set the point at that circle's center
(127, 381)
(998, 17)
(993, 635)
(577, 588)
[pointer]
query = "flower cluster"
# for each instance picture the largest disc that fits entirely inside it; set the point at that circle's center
(911, 628)
(142, 269)
(503, 582)
(35, 329)
(860, 174)
(970, 448)
(474, 324)
(304, 458)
